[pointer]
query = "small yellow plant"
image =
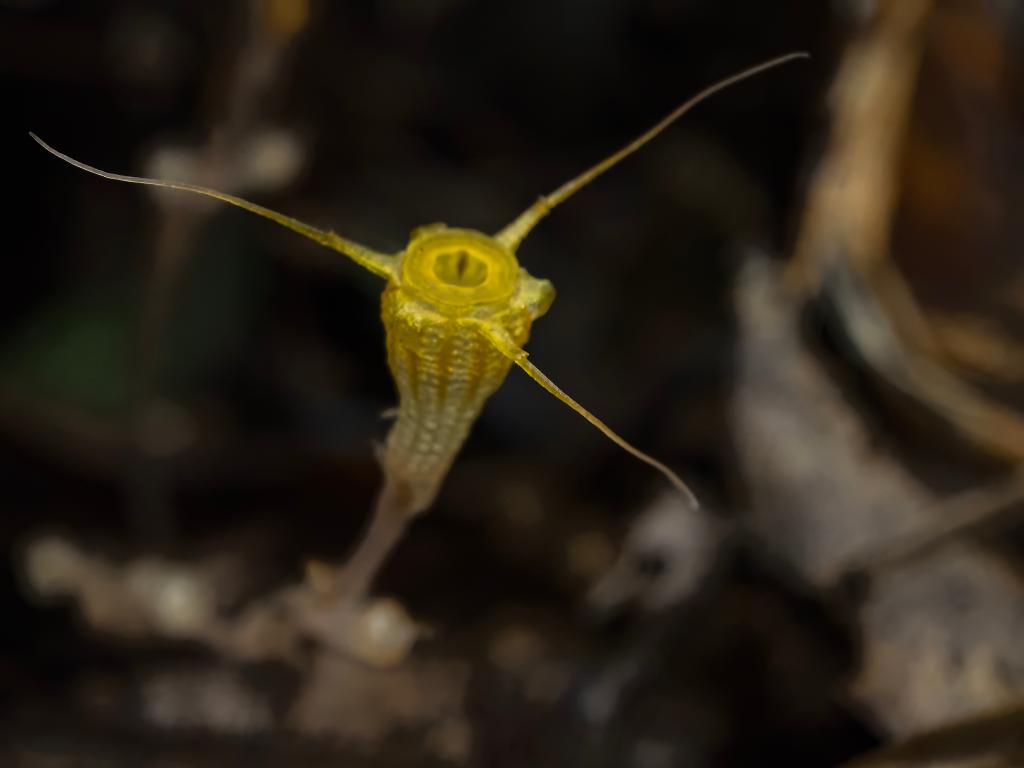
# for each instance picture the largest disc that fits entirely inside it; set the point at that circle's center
(457, 310)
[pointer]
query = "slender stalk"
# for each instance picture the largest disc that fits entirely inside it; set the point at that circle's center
(392, 513)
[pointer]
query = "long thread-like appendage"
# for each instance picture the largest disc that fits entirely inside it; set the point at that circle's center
(504, 344)
(379, 263)
(512, 235)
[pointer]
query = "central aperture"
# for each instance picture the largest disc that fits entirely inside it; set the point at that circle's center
(460, 268)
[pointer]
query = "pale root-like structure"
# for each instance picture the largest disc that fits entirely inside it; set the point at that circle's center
(457, 311)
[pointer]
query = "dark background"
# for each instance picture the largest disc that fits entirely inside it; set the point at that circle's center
(459, 112)
(407, 113)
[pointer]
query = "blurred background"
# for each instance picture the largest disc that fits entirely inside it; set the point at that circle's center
(807, 297)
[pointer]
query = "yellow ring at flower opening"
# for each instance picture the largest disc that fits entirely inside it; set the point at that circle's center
(459, 267)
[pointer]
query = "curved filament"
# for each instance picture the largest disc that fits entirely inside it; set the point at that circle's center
(512, 235)
(378, 263)
(504, 344)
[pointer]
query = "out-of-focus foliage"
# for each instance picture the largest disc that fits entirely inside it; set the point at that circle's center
(188, 396)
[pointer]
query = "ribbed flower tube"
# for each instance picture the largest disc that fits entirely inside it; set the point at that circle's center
(444, 373)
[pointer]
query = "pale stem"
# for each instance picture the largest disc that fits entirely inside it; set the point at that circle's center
(394, 510)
